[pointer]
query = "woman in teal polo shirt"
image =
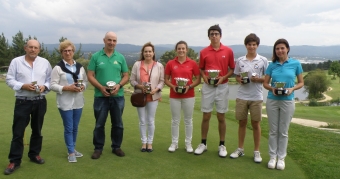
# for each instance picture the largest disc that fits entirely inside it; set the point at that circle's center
(280, 104)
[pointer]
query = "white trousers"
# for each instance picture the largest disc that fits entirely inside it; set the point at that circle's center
(147, 121)
(280, 114)
(187, 105)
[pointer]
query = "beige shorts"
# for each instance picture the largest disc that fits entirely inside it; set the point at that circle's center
(215, 95)
(254, 107)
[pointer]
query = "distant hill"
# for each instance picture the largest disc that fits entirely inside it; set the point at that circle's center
(304, 50)
(131, 51)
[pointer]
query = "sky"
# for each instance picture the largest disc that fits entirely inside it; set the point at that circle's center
(301, 22)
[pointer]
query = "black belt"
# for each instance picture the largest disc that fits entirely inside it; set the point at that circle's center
(34, 98)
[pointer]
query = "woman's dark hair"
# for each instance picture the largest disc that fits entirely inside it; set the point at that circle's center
(280, 41)
(181, 42)
(252, 38)
(149, 44)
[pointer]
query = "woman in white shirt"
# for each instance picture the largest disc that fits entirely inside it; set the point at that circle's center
(69, 80)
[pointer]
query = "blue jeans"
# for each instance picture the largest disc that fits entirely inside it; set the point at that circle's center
(71, 120)
(102, 106)
(24, 112)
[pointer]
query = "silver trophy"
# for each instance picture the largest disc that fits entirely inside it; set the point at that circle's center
(279, 88)
(79, 83)
(181, 84)
(110, 84)
(147, 87)
(37, 89)
(213, 74)
(244, 77)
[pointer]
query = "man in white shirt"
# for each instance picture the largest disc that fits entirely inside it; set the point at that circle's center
(29, 76)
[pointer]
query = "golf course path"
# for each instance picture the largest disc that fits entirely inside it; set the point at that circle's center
(306, 122)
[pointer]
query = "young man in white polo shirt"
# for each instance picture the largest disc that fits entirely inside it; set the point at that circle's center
(249, 96)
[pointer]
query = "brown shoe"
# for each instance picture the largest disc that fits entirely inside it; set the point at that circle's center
(96, 154)
(118, 152)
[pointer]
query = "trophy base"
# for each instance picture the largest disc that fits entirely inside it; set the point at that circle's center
(180, 90)
(78, 85)
(245, 80)
(109, 90)
(281, 91)
(212, 81)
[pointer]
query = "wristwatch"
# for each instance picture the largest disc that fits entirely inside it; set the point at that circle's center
(120, 85)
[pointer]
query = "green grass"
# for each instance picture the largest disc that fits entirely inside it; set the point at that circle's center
(312, 153)
(158, 164)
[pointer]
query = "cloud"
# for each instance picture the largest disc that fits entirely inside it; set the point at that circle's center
(168, 21)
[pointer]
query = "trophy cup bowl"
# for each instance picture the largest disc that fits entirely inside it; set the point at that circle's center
(79, 82)
(279, 88)
(147, 87)
(181, 84)
(213, 74)
(244, 77)
(110, 84)
(37, 89)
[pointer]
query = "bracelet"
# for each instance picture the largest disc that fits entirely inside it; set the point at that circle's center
(120, 85)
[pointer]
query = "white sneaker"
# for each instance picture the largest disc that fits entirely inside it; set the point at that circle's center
(280, 164)
(189, 148)
(238, 153)
(272, 163)
(222, 151)
(200, 149)
(257, 157)
(173, 147)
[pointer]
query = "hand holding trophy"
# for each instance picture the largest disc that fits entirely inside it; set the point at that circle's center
(181, 85)
(37, 89)
(213, 74)
(244, 77)
(279, 88)
(110, 84)
(147, 87)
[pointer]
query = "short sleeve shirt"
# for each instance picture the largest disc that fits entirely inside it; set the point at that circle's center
(251, 91)
(221, 59)
(108, 69)
(286, 72)
(187, 69)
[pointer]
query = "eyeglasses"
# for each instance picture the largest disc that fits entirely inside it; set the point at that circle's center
(67, 51)
(214, 34)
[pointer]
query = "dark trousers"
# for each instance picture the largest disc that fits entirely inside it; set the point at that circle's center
(24, 112)
(102, 106)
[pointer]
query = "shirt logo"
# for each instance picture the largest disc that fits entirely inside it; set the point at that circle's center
(256, 66)
(101, 63)
(175, 67)
(223, 56)
(115, 62)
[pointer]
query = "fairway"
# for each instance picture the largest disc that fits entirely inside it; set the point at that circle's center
(158, 164)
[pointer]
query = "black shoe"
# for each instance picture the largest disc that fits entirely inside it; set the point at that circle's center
(37, 159)
(149, 150)
(143, 149)
(118, 152)
(11, 168)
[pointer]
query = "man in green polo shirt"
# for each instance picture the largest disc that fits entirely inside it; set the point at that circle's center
(108, 65)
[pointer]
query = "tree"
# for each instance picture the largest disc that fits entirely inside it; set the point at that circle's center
(83, 62)
(316, 83)
(334, 69)
(169, 55)
(5, 51)
(18, 44)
